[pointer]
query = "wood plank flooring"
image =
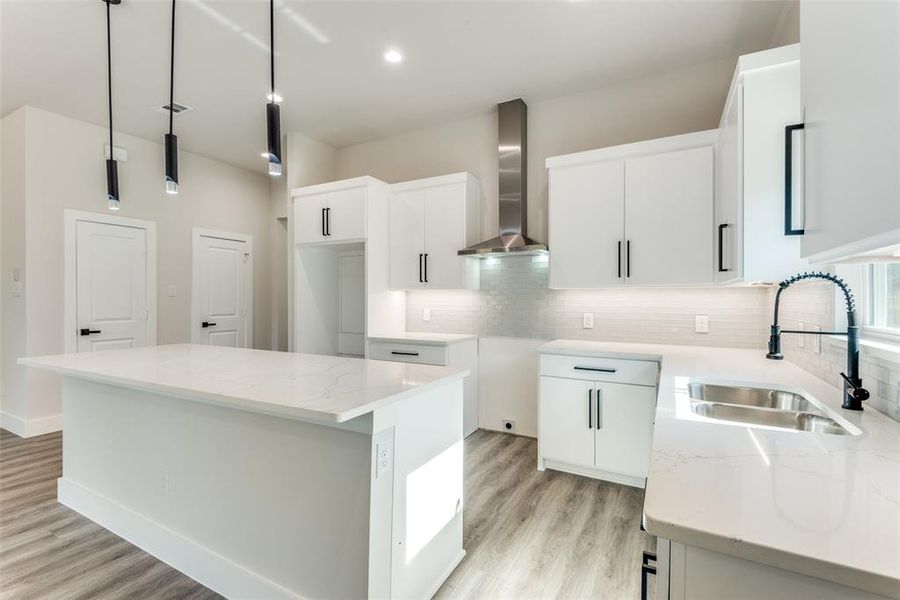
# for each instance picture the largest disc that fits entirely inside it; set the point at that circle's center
(529, 535)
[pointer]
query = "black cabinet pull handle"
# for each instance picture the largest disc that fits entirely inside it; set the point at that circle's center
(328, 221)
(420, 268)
(86, 331)
(598, 369)
(619, 260)
(399, 353)
(722, 227)
(788, 180)
(206, 324)
(628, 258)
(646, 570)
(426, 268)
(323, 223)
(590, 409)
(599, 410)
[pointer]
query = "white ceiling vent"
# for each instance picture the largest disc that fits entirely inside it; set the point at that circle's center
(177, 108)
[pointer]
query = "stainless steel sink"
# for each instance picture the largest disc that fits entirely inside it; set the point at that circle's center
(749, 396)
(784, 419)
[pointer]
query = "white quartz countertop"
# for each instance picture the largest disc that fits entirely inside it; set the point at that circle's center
(823, 505)
(300, 386)
(428, 339)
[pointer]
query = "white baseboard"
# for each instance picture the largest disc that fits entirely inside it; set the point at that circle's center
(197, 562)
(30, 427)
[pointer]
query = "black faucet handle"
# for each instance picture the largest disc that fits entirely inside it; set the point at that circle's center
(859, 392)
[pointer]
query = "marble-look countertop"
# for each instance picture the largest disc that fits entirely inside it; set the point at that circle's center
(300, 386)
(427, 339)
(823, 505)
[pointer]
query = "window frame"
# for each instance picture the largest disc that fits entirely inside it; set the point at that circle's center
(867, 306)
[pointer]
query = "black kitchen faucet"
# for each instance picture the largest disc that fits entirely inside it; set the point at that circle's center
(854, 392)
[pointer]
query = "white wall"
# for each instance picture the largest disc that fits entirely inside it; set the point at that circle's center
(63, 164)
(667, 104)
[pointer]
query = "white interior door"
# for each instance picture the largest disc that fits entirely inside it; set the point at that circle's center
(110, 286)
(445, 227)
(407, 243)
(669, 218)
(587, 216)
(222, 290)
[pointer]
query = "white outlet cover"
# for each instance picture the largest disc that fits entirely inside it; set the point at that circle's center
(426, 314)
(172, 291)
(587, 320)
(701, 323)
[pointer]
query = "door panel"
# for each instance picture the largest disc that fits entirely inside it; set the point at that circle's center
(309, 218)
(566, 425)
(347, 214)
(625, 429)
(352, 325)
(222, 292)
(111, 285)
(407, 215)
(587, 214)
(668, 217)
(445, 234)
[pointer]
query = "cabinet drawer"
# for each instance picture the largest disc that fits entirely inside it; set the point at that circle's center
(411, 353)
(616, 370)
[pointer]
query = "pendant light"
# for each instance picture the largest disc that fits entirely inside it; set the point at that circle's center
(171, 140)
(112, 169)
(273, 117)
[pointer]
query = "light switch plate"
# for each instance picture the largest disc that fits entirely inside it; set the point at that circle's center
(426, 314)
(701, 323)
(587, 320)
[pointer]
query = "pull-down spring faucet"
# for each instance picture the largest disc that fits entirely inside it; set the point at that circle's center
(854, 392)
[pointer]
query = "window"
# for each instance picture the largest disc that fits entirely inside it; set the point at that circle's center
(882, 298)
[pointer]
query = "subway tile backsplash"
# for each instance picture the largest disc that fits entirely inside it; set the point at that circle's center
(514, 301)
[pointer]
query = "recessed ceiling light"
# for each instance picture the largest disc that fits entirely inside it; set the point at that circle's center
(273, 98)
(393, 56)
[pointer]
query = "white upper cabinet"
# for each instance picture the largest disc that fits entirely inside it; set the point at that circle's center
(331, 212)
(638, 214)
(851, 96)
(752, 243)
(430, 220)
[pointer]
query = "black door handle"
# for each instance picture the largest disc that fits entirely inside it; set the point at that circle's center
(420, 268)
(590, 410)
(628, 258)
(328, 221)
(323, 223)
(206, 324)
(86, 331)
(722, 227)
(426, 268)
(788, 180)
(646, 570)
(619, 260)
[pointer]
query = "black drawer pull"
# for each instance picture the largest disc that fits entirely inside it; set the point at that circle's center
(86, 331)
(646, 570)
(590, 413)
(398, 353)
(597, 369)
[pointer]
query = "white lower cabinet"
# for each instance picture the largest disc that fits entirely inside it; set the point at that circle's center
(689, 573)
(595, 427)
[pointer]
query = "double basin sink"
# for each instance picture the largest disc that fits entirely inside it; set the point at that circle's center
(761, 406)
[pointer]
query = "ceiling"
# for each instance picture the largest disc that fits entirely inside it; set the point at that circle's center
(460, 59)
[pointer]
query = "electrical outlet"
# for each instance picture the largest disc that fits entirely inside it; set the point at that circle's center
(384, 457)
(426, 314)
(172, 291)
(802, 337)
(701, 323)
(509, 425)
(16, 288)
(587, 320)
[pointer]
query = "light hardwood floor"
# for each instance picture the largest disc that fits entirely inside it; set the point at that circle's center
(529, 535)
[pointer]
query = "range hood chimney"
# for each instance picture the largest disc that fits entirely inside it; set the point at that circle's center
(512, 117)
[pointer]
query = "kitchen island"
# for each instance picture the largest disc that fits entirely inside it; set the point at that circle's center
(266, 474)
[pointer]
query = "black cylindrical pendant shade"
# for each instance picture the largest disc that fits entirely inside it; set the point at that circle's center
(273, 131)
(171, 163)
(112, 184)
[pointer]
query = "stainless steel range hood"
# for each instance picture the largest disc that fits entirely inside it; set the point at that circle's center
(512, 149)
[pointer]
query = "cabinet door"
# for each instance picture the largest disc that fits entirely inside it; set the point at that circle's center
(445, 234)
(624, 427)
(586, 225)
(668, 218)
(347, 214)
(407, 240)
(567, 421)
(728, 222)
(309, 218)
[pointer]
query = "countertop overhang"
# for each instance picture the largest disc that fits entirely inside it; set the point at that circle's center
(822, 505)
(425, 339)
(307, 387)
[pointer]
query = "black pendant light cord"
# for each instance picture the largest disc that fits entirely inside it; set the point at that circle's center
(272, 44)
(172, 72)
(109, 79)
